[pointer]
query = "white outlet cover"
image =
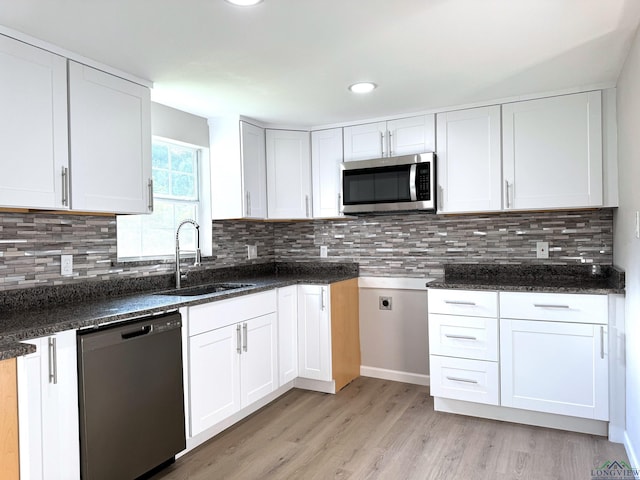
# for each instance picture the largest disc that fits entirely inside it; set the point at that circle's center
(324, 251)
(542, 249)
(66, 264)
(252, 252)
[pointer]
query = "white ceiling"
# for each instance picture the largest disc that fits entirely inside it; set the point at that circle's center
(289, 62)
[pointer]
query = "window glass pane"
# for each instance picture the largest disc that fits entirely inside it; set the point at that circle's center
(160, 181)
(183, 160)
(183, 186)
(160, 155)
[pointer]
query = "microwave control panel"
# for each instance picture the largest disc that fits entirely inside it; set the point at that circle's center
(423, 182)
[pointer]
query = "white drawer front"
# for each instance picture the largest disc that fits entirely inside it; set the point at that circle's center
(465, 337)
(555, 307)
(471, 303)
(462, 379)
(209, 316)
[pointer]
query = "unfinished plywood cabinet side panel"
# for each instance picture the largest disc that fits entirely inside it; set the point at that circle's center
(9, 456)
(345, 332)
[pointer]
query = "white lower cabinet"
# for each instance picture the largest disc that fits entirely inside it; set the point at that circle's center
(48, 409)
(550, 355)
(555, 366)
(232, 357)
(314, 332)
(287, 333)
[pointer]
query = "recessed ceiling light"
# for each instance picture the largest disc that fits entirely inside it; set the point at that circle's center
(244, 3)
(362, 87)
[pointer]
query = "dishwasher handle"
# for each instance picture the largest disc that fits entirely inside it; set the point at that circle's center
(147, 329)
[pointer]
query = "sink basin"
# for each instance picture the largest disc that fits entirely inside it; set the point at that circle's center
(205, 289)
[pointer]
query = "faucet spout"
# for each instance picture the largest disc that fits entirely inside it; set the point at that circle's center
(198, 256)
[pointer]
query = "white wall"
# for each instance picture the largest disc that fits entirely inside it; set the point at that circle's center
(175, 124)
(626, 248)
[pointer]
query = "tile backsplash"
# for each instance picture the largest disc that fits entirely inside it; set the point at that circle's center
(404, 244)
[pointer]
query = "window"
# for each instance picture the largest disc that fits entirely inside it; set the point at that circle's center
(178, 194)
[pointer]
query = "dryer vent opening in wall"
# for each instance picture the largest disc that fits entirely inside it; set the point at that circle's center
(384, 303)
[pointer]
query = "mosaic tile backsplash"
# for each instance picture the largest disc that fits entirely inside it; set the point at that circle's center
(413, 244)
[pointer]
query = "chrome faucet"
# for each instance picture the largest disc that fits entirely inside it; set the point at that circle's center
(196, 263)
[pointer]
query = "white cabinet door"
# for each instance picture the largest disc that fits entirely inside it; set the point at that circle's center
(552, 152)
(314, 332)
(254, 171)
(110, 142)
(33, 127)
(411, 135)
(326, 157)
(48, 409)
(288, 174)
(555, 367)
(363, 142)
(469, 160)
(287, 333)
(214, 371)
(258, 361)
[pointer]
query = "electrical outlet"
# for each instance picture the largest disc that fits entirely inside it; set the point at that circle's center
(324, 251)
(66, 264)
(252, 252)
(384, 303)
(542, 249)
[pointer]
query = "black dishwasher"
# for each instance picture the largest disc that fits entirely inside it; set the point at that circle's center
(131, 397)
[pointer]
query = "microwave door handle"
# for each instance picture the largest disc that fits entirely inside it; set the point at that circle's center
(412, 182)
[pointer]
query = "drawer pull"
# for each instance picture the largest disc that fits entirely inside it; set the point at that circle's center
(464, 380)
(456, 302)
(461, 337)
(544, 305)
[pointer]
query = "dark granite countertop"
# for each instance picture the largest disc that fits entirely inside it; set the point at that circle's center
(25, 315)
(600, 279)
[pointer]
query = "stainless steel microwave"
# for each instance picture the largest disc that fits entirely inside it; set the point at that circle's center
(389, 184)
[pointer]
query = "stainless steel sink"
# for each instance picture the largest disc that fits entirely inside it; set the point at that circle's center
(205, 289)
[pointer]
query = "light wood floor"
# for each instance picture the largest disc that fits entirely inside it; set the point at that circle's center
(377, 429)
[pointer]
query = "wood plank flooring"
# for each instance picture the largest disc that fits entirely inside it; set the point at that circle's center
(378, 429)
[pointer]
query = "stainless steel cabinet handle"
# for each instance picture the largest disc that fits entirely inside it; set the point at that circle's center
(246, 337)
(322, 301)
(306, 203)
(53, 361)
(65, 186)
(238, 340)
(339, 204)
(246, 203)
(150, 188)
(457, 302)
(465, 380)
(440, 198)
(601, 342)
(382, 143)
(461, 337)
(544, 305)
(507, 196)
(390, 144)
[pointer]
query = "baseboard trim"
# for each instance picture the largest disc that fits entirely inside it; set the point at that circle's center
(527, 417)
(633, 454)
(315, 385)
(395, 375)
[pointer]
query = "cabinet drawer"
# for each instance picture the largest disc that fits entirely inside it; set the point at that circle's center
(466, 337)
(209, 316)
(470, 303)
(463, 379)
(555, 307)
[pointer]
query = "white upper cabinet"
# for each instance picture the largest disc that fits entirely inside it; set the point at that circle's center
(33, 127)
(404, 136)
(326, 157)
(110, 142)
(552, 152)
(411, 135)
(469, 160)
(288, 174)
(254, 174)
(238, 169)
